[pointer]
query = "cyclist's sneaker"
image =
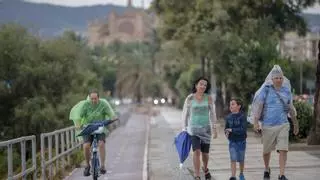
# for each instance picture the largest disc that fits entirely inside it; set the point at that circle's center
(241, 177)
(282, 177)
(266, 174)
(103, 170)
(86, 171)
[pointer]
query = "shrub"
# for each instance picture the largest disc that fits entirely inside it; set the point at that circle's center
(304, 116)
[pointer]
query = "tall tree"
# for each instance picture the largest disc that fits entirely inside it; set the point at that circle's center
(314, 135)
(248, 31)
(40, 81)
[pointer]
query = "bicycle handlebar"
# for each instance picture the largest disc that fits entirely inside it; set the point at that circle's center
(102, 122)
(91, 127)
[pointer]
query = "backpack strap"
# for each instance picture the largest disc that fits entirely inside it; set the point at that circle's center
(266, 89)
(285, 106)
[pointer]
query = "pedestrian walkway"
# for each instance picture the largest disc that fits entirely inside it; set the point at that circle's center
(300, 164)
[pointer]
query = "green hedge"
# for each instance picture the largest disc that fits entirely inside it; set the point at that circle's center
(304, 116)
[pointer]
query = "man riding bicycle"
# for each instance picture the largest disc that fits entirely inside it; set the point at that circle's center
(93, 110)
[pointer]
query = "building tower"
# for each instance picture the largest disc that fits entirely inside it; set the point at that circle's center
(129, 3)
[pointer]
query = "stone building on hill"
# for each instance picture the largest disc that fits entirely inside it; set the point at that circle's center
(133, 25)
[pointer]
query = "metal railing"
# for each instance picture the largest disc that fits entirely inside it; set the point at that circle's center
(65, 142)
(56, 148)
(24, 170)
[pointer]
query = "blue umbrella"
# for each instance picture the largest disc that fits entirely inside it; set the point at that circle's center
(183, 145)
(90, 128)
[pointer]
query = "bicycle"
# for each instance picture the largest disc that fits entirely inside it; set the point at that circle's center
(95, 129)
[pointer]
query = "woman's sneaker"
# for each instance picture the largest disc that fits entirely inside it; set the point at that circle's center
(207, 174)
(233, 178)
(241, 177)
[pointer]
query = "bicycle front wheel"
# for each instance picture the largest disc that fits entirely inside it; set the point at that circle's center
(95, 166)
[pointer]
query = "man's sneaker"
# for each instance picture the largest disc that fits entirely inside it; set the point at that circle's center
(241, 177)
(266, 174)
(233, 178)
(86, 171)
(282, 177)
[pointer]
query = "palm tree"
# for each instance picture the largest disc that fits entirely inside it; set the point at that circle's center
(135, 70)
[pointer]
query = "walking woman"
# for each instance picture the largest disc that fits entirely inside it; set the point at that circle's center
(199, 119)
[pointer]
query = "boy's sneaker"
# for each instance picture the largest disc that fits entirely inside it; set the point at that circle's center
(266, 174)
(233, 178)
(241, 177)
(282, 177)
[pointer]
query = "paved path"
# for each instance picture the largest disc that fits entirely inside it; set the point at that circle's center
(125, 151)
(301, 165)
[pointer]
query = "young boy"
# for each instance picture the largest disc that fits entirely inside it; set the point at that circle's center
(236, 132)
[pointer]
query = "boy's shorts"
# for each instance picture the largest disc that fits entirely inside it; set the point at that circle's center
(237, 150)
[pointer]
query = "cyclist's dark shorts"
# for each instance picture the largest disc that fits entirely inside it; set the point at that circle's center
(89, 138)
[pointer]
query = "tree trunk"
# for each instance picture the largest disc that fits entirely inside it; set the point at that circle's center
(203, 64)
(314, 135)
(138, 91)
(219, 101)
(208, 69)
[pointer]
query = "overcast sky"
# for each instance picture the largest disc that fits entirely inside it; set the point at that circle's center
(137, 3)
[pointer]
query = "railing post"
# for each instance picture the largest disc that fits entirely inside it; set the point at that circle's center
(73, 142)
(43, 158)
(62, 151)
(34, 156)
(68, 144)
(56, 143)
(50, 155)
(23, 159)
(10, 165)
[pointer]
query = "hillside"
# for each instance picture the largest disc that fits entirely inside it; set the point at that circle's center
(50, 20)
